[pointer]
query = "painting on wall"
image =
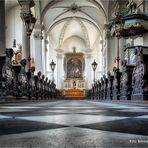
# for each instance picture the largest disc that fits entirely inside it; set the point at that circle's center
(74, 65)
(130, 55)
(74, 68)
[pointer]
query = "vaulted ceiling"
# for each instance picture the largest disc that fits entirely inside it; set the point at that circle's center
(54, 12)
(63, 19)
(84, 19)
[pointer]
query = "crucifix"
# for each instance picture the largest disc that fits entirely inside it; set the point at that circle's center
(74, 49)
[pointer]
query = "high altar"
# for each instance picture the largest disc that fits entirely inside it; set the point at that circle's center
(74, 83)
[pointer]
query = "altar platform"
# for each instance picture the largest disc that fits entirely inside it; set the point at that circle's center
(74, 94)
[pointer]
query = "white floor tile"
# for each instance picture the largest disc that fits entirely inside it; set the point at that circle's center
(145, 117)
(4, 117)
(74, 111)
(20, 107)
(72, 119)
(12, 110)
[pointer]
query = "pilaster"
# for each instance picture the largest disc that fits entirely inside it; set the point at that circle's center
(59, 70)
(2, 27)
(37, 50)
(88, 70)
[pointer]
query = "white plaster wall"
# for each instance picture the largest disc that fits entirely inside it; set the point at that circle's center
(48, 60)
(145, 39)
(43, 53)
(111, 52)
(74, 41)
(37, 48)
(54, 35)
(97, 55)
(122, 43)
(145, 6)
(13, 26)
(51, 56)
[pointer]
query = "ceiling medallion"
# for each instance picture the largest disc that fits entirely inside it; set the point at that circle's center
(74, 8)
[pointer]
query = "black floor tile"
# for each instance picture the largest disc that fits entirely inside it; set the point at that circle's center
(12, 126)
(130, 126)
(117, 113)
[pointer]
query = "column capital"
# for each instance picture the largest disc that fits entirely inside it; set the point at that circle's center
(38, 35)
(59, 56)
(39, 26)
(46, 42)
(88, 56)
(88, 51)
(60, 51)
(26, 6)
(28, 3)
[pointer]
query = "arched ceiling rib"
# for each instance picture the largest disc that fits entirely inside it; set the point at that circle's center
(89, 16)
(69, 18)
(74, 41)
(83, 28)
(89, 10)
(10, 3)
(96, 4)
(63, 32)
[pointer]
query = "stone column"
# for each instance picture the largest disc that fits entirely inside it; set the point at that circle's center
(88, 70)
(122, 43)
(26, 6)
(44, 52)
(2, 27)
(24, 44)
(59, 70)
(37, 51)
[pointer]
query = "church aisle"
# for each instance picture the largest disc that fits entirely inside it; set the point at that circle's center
(73, 124)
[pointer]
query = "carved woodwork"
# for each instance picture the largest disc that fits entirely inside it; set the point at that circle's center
(16, 68)
(102, 88)
(99, 89)
(134, 25)
(37, 85)
(140, 74)
(116, 84)
(49, 89)
(92, 91)
(42, 86)
(18, 57)
(30, 83)
(46, 88)
(2, 63)
(110, 86)
(126, 81)
(8, 74)
(105, 86)
(22, 79)
(53, 89)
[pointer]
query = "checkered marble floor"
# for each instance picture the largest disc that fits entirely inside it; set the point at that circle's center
(73, 123)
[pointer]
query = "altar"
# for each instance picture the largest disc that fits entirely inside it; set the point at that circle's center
(74, 83)
(74, 93)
